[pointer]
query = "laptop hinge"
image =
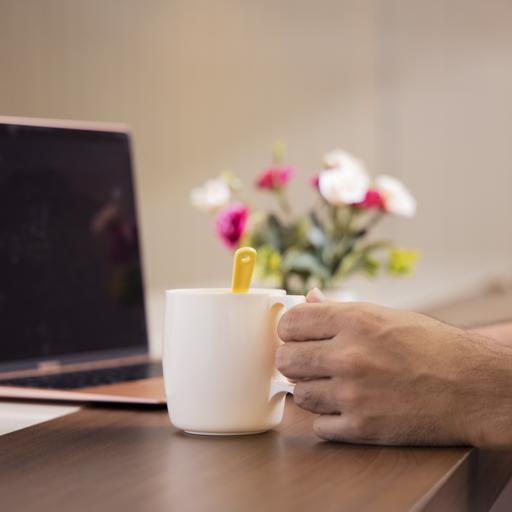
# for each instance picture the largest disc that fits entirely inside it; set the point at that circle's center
(48, 365)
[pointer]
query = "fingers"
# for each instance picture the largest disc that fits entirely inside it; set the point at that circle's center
(350, 428)
(310, 360)
(317, 396)
(331, 427)
(311, 321)
(315, 295)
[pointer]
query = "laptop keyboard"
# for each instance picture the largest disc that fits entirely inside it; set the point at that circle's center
(86, 378)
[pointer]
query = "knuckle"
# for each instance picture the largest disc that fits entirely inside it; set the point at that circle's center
(308, 397)
(355, 398)
(356, 320)
(354, 363)
(362, 318)
(303, 395)
(286, 326)
(329, 313)
(314, 357)
(325, 317)
(350, 397)
(283, 358)
(338, 394)
(337, 362)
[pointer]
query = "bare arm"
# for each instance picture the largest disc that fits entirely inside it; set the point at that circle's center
(501, 332)
(383, 376)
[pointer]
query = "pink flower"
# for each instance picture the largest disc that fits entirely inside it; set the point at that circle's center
(372, 200)
(231, 224)
(315, 181)
(274, 177)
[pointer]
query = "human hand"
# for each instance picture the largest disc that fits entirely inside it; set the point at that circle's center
(383, 376)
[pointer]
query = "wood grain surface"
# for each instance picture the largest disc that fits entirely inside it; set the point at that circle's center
(133, 460)
(119, 459)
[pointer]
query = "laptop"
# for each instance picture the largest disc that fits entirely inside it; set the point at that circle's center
(72, 313)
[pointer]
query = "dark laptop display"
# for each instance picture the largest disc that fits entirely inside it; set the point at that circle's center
(70, 271)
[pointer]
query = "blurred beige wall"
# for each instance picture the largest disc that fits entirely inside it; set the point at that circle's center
(419, 89)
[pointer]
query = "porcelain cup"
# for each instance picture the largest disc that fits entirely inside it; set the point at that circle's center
(218, 360)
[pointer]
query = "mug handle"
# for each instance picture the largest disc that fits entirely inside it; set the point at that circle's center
(282, 384)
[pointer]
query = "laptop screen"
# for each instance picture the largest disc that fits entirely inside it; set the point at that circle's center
(70, 268)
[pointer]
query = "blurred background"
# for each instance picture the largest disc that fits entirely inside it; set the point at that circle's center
(418, 89)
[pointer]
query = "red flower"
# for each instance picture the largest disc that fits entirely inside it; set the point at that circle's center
(231, 224)
(372, 200)
(274, 177)
(315, 181)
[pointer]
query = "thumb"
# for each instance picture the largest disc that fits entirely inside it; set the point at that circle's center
(315, 295)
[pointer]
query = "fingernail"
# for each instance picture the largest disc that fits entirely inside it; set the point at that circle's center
(315, 295)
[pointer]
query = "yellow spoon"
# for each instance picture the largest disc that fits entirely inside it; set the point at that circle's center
(243, 267)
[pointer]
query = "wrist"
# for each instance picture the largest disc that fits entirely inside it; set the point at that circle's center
(487, 394)
(500, 332)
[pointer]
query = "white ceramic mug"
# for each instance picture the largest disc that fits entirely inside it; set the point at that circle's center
(218, 359)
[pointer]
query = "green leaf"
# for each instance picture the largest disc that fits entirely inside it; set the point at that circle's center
(316, 237)
(304, 263)
(316, 233)
(349, 264)
(273, 232)
(371, 266)
(315, 220)
(374, 246)
(296, 235)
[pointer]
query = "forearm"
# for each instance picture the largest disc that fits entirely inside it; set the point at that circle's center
(501, 332)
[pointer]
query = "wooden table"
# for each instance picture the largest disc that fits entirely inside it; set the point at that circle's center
(133, 460)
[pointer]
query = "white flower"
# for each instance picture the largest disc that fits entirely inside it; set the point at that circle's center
(211, 196)
(337, 158)
(344, 185)
(397, 199)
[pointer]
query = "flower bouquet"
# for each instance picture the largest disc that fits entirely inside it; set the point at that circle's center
(324, 246)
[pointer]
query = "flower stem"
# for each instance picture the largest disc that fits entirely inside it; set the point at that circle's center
(283, 201)
(373, 221)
